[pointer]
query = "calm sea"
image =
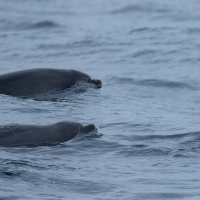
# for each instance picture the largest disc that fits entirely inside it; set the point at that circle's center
(147, 54)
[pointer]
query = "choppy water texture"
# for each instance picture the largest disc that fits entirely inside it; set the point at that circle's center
(147, 55)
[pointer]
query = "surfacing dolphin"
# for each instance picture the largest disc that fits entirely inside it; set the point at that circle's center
(36, 81)
(41, 135)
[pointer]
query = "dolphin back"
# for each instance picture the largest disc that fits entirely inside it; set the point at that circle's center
(37, 81)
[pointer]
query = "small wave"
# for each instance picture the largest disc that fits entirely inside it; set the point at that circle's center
(147, 52)
(3, 35)
(29, 26)
(44, 24)
(10, 174)
(11, 197)
(76, 44)
(193, 30)
(185, 145)
(21, 163)
(165, 195)
(31, 110)
(143, 150)
(139, 30)
(139, 8)
(156, 83)
(168, 84)
(147, 29)
(167, 137)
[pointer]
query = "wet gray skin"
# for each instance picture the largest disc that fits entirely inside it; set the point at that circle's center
(39, 135)
(32, 82)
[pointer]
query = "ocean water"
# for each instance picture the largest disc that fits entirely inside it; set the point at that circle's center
(147, 55)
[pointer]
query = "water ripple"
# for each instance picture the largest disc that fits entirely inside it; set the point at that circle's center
(30, 26)
(156, 83)
(44, 24)
(139, 8)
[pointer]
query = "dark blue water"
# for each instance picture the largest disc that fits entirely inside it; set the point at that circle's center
(147, 55)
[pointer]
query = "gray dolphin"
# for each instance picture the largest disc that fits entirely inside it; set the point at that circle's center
(41, 135)
(31, 82)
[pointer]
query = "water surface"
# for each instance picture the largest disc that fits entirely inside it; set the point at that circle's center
(147, 55)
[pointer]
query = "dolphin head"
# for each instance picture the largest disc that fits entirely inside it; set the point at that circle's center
(70, 129)
(96, 82)
(78, 128)
(78, 76)
(88, 128)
